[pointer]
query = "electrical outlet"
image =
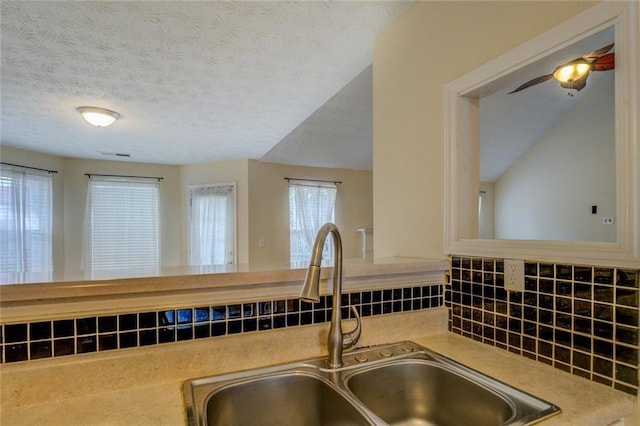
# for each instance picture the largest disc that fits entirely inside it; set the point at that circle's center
(607, 220)
(514, 274)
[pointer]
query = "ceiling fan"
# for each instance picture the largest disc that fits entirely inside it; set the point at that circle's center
(573, 74)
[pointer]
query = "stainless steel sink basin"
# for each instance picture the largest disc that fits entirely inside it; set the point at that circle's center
(290, 394)
(398, 384)
(282, 399)
(415, 392)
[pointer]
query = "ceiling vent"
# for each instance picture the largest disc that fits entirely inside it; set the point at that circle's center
(115, 154)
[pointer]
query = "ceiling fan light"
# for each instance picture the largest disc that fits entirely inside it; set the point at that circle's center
(572, 72)
(98, 117)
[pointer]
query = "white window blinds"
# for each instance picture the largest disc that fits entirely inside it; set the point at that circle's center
(26, 200)
(121, 223)
(310, 206)
(212, 228)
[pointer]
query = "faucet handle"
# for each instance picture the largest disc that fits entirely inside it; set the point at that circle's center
(350, 339)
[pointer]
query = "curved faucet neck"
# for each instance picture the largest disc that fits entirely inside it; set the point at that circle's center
(337, 340)
(318, 246)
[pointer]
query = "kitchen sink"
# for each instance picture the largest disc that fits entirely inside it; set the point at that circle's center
(419, 392)
(292, 398)
(397, 384)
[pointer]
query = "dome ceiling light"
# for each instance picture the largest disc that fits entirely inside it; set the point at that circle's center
(98, 117)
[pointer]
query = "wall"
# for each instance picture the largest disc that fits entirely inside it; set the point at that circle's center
(269, 200)
(429, 46)
(70, 194)
(556, 204)
(262, 203)
(220, 172)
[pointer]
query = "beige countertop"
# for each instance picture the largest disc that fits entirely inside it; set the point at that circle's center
(183, 286)
(12, 285)
(14, 288)
(143, 386)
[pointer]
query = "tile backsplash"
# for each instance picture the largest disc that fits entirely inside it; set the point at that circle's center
(86, 334)
(580, 319)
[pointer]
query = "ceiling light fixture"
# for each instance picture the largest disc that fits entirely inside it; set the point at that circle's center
(99, 117)
(572, 71)
(573, 75)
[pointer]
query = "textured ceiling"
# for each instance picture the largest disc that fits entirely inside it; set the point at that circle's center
(194, 82)
(197, 82)
(342, 129)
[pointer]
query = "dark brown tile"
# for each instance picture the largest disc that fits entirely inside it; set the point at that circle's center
(627, 278)
(603, 367)
(15, 333)
(628, 375)
(40, 330)
(42, 349)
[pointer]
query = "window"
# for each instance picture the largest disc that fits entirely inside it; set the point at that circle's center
(26, 200)
(310, 206)
(121, 223)
(212, 224)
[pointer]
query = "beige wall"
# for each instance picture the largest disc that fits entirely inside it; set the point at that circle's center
(431, 45)
(269, 202)
(262, 203)
(70, 194)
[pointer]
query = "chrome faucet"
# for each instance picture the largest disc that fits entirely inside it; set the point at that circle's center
(337, 340)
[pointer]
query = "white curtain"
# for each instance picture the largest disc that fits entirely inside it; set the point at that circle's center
(212, 225)
(26, 218)
(310, 206)
(121, 224)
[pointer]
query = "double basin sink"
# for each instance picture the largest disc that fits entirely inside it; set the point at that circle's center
(398, 384)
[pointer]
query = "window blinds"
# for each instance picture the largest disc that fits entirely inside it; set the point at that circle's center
(122, 223)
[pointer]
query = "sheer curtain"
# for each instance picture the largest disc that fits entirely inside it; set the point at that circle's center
(121, 227)
(310, 206)
(26, 217)
(212, 226)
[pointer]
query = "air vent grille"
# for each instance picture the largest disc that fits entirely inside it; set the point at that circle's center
(114, 154)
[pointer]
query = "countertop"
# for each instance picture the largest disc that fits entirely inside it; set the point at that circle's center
(21, 287)
(106, 389)
(31, 301)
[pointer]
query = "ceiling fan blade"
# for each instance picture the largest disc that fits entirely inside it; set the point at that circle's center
(593, 55)
(578, 84)
(604, 63)
(599, 52)
(533, 82)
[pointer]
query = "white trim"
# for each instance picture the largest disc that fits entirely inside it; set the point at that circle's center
(460, 107)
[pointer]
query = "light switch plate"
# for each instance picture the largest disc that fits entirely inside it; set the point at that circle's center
(514, 274)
